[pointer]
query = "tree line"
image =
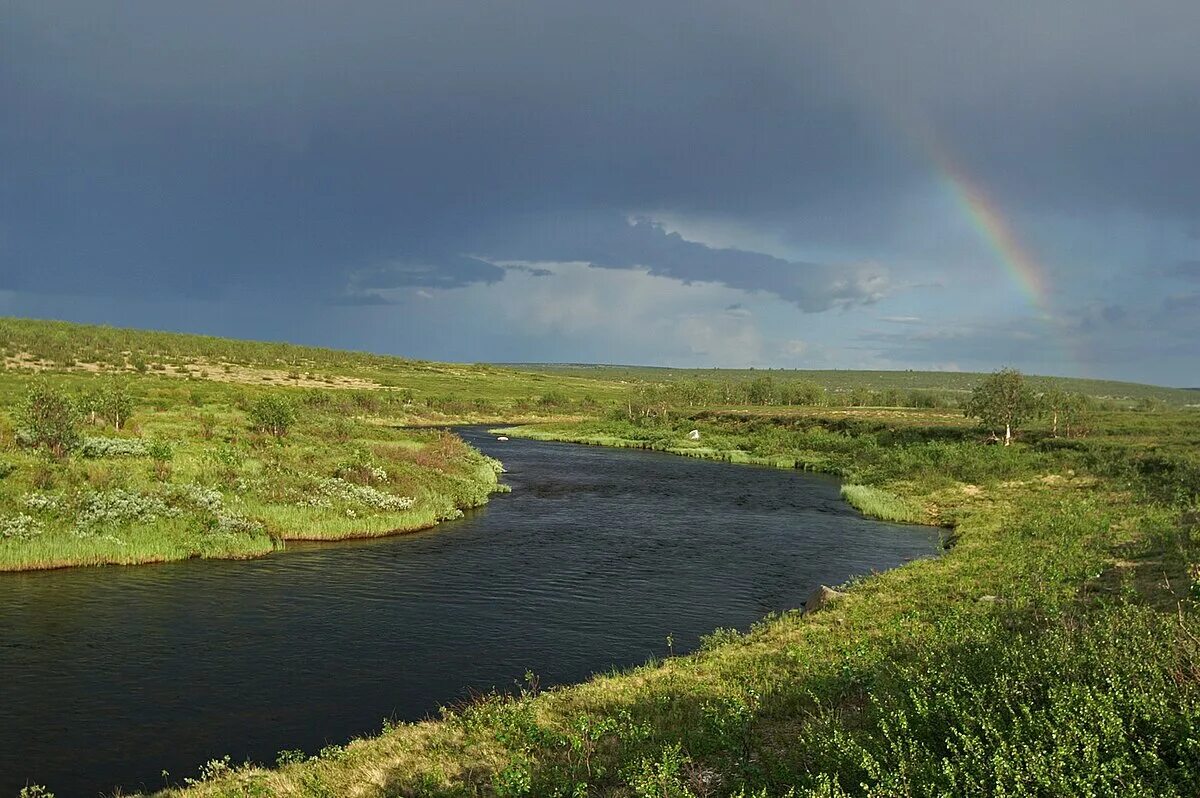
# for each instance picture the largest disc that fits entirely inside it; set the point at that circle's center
(1004, 401)
(652, 400)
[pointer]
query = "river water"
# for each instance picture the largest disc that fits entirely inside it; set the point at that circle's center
(110, 675)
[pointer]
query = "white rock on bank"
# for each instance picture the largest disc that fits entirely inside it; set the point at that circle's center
(821, 597)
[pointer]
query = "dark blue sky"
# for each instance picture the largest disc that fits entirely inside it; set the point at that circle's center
(676, 183)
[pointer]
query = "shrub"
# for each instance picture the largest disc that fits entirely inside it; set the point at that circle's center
(160, 452)
(112, 447)
(19, 527)
(216, 516)
(41, 502)
(49, 420)
(361, 470)
(117, 507)
(339, 490)
(272, 414)
(208, 426)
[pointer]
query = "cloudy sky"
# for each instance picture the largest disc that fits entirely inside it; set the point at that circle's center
(930, 184)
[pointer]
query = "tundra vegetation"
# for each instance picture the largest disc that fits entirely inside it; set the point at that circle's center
(210, 470)
(1052, 650)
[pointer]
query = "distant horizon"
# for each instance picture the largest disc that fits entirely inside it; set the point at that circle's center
(584, 364)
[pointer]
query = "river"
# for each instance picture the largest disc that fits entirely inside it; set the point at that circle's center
(110, 675)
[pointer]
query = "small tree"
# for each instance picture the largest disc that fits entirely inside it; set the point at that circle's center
(90, 403)
(273, 414)
(49, 420)
(1065, 409)
(1074, 411)
(117, 404)
(1002, 401)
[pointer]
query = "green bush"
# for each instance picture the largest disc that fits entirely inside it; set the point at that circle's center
(273, 414)
(48, 420)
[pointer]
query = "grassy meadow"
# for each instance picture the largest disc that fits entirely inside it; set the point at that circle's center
(1053, 649)
(187, 475)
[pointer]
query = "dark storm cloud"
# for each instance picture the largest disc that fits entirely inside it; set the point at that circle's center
(610, 242)
(436, 272)
(331, 152)
(995, 343)
(261, 147)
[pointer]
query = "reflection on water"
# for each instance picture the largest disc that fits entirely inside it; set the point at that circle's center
(109, 675)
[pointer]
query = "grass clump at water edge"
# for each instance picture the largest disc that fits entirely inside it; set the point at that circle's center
(881, 504)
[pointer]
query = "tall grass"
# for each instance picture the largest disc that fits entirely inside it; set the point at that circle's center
(881, 504)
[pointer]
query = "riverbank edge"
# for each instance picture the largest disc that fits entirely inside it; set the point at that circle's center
(448, 750)
(268, 544)
(871, 501)
(1026, 552)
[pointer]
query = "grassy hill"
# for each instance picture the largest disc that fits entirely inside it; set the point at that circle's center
(31, 345)
(440, 391)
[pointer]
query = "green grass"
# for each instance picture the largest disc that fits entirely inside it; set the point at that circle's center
(1053, 650)
(881, 504)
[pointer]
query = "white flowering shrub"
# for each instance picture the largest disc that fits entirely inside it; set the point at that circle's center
(118, 506)
(361, 470)
(113, 447)
(212, 503)
(19, 527)
(42, 502)
(233, 521)
(336, 490)
(199, 497)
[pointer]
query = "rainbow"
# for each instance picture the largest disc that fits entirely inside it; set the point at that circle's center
(984, 215)
(986, 218)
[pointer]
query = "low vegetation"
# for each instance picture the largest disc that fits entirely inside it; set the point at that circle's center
(211, 470)
(884, 505)
(1053, 649)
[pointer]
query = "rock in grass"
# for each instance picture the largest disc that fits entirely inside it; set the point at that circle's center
(820, 597)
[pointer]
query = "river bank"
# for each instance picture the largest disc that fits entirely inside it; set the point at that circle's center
(1067, 601)
(191, 475)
